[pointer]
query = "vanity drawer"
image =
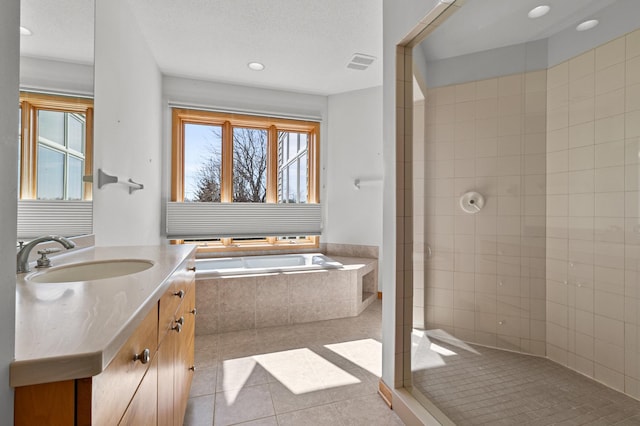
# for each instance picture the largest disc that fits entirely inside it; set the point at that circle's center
(124, 373)
(182, 282)
(169, 303)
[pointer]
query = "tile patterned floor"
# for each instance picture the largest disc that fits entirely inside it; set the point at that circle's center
(321, 373)
(474, 385)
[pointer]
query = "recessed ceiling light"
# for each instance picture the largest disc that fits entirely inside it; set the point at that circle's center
(587, 25)
(256, 66)
(539, 11)
(25, 31)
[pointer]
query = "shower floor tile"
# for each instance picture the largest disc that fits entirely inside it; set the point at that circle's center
(475, 385)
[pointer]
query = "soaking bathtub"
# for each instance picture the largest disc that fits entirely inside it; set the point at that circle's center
(227, 266)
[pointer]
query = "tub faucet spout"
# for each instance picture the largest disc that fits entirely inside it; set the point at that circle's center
(23, 254)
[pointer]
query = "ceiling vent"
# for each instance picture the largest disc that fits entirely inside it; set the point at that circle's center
(360, 61)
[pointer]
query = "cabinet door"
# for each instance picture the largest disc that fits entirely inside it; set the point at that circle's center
(142, 409)
(185, 354)
(45, 404)
(112, 389)
(166, 360)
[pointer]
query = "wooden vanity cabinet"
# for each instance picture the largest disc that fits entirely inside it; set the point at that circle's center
(176, 349)
(151, 390)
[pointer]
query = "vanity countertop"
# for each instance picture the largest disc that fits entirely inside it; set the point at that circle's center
(73, 330)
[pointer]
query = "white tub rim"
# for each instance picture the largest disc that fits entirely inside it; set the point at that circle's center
(314, 262)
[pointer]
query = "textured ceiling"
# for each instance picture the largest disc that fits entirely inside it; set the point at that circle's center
(488, 24)
(62, 29)
(305, 45)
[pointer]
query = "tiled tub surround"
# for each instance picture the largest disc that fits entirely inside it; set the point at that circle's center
(485, 273)
(266, 300)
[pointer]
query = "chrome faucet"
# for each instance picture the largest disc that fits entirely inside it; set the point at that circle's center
(25, 250)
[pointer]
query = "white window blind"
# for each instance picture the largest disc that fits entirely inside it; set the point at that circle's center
(66, 218)
(242, 220)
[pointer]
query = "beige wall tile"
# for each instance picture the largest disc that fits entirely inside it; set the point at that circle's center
(581, 135)
(558, 97)
(486, 108)
(609, 356)
(610, 154)
(557, 205)
(558, 75)
(609, 377)
(581, 158)
(632, 124)
(582, 88)
(632, 153)
(581, 205)
(558, 118)
(556, 336)
(510, 85)
(632, 98)
(610, 104)
(535, 81)
(632, 208)
(558, 140)
(631, 177)
(633, 44)
(609, 305)
(582, 65)
(632, 71)
(510, 104)
(464, 111)
(609, 129)
(609, 330)
(611, 78)
(610, 53)
(465, 92)
(487, 88)
(581, 111)
(464, 319)
(609, 179)
(581, 182)
(610, 280)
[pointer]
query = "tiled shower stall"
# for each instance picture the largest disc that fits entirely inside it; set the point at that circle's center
(550, 266)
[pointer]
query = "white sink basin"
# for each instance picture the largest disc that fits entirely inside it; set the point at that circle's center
(90, 271)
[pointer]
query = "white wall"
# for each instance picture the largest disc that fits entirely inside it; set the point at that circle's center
(399, 18)
(354, 152)
(240, 99)
(37, 74)
(128, 129)
(9, 68)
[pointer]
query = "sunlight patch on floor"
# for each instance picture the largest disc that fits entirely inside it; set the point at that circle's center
(451, 340)
(442, 351)
(302, 370)
(365, 353)
(422, 357)
(235, 374)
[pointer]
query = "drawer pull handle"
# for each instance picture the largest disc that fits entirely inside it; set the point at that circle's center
(179, 293)
(191, 268)
(194, 311)
(144, 357)
(177, 327)
(192, 368)
(180, 321)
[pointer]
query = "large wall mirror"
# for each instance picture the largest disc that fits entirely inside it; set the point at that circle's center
(56, 118)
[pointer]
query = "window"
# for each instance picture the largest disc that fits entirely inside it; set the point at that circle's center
(292, 167)
(232, 158)
(55, 147)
